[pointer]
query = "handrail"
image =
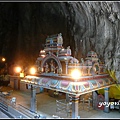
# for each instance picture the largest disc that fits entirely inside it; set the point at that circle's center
(25, 111)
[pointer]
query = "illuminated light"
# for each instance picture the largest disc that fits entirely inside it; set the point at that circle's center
(62, 49)
(3, 59)
(32, 82)
(25, 80)
(18, 69)
(65, 58)
(95, 69)
(22, 80)
(36, 83)
(28, 81)
(43, 56)
(42, 51)
(32, 70)
(30, 77)
(76, 74)
(21, 75)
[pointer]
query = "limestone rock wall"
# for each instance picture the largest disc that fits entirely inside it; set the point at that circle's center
(85, 26)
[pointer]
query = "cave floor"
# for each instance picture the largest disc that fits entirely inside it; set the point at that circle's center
(46, 105)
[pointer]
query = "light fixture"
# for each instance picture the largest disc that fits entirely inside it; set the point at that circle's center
(43, 54)
(75, 74)
(18, 69)
(21, 75)
(3, 59)
(32, 70)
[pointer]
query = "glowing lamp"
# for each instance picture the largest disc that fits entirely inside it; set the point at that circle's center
(32, 70)
(42, 52)
(65, 58)
(43, 56)
(18, 69)
(75, 74)
(21, 75)
(3, 59)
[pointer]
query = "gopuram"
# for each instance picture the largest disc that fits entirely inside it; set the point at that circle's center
(55, 65)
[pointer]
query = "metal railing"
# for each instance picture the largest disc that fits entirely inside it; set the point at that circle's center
(5, 102)
(85, 104)
(64, 106)
(25, 111)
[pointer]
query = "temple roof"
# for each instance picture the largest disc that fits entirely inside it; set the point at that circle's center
(92, 54)
(62, 84)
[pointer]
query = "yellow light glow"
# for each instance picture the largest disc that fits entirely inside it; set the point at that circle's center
(18, 69)
(3, 59)
(43, 56)
(76, 74)
(21, 75)
(42, 51)
(32, 70)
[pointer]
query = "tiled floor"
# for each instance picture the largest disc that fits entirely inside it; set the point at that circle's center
(46, 105)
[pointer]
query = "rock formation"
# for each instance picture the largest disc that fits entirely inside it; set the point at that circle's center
(85, 26)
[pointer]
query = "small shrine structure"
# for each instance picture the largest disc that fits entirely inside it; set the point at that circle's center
(54, 67)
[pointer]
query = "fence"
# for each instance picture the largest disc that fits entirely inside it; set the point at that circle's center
(16, 110)
(64, 106)
(7, 104)
(85, 104)
(25, 111)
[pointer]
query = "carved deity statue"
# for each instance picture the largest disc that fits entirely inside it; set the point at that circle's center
(46, 67)
(52, 66)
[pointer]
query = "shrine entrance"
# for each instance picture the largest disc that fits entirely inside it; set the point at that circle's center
(51, 64)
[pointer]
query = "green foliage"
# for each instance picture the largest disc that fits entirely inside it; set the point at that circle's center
(112, 74)
(115, 89)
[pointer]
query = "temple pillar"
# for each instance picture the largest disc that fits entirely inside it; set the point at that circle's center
(106, 94)
(75, 100)
(119, 105)
(33, 99)
(67, 97)
(94, 97)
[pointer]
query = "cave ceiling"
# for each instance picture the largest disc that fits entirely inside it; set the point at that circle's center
(85, 26)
